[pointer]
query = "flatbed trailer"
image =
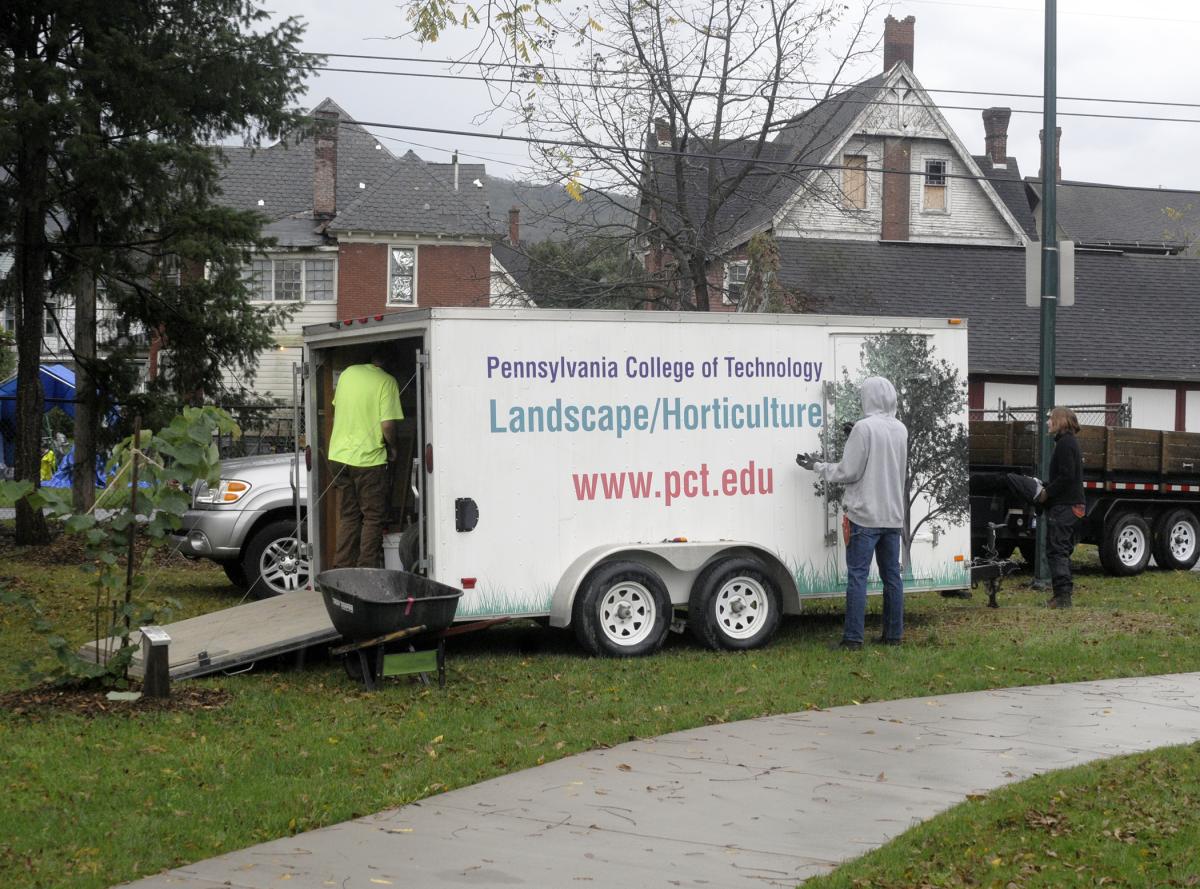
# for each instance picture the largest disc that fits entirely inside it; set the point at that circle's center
(1142, 490)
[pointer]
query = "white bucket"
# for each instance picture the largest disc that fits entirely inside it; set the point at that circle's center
(391, 552)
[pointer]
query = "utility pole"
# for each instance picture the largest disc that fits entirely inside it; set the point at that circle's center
(1049, 307)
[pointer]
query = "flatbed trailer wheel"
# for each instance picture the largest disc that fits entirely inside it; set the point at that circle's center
(734, 605)
(1125, 549)
(1177, 540)
(622, 610)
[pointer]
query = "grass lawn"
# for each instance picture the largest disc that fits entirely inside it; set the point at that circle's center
(90, 801)
(1129, 821)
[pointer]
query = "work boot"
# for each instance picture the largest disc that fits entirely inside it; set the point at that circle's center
(1060, 601)
(846, 645)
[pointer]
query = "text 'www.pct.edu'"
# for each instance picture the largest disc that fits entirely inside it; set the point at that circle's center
(675, 484)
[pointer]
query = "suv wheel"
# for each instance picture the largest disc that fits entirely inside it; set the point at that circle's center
(235, 573)
(273, 561)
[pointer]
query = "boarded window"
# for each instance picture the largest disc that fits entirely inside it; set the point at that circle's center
(402, 264)
(854, 181)
(935, 185)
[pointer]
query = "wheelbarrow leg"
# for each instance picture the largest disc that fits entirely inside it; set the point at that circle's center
(367, 669)
(441, 663)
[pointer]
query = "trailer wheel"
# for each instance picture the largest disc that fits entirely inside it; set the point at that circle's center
(623, 610)
(1177, 540)
(734, 605)
(1125, 550)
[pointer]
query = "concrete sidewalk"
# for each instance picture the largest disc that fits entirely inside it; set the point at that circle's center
(767, 802)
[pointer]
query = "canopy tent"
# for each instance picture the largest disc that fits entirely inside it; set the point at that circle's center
(58, 386)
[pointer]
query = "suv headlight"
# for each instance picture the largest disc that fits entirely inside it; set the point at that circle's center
(228, 490)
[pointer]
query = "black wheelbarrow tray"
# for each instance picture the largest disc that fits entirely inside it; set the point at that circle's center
(366, 603)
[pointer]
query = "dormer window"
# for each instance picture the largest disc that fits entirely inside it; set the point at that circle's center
(936, 185)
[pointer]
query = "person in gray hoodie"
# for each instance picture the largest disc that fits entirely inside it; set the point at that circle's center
(872, 469)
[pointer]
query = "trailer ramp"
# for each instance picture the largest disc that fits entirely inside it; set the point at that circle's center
(234, 638)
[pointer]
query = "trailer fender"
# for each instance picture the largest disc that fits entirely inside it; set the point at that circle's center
(678, 564)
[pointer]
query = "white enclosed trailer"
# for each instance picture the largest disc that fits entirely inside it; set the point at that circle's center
(622, 472)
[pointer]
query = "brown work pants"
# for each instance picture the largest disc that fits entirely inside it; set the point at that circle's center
(362, 501)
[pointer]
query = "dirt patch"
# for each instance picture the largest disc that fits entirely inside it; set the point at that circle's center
(92, 703)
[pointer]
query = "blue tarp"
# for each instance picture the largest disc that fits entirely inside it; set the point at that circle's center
(58, 386)
(62, 475)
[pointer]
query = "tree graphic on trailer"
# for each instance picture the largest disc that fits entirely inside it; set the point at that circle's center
(930, 395)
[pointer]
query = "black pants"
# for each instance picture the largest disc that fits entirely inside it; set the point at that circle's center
(1061, 524)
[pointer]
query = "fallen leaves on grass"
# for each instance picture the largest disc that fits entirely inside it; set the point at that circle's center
(92, 702)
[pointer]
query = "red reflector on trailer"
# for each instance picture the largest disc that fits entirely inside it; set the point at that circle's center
(429, 458)
(468, 583)
(378, 317)
(363, 320)
(348, 321)
(308, 458)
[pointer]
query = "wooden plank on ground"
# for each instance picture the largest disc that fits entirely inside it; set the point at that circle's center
(235, 637)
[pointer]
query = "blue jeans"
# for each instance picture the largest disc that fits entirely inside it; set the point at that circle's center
(884, 544)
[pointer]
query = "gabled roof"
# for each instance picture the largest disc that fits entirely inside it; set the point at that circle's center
(421, 198)
(515, 262)
(1138, 218)
(372, 185)
(986, 285)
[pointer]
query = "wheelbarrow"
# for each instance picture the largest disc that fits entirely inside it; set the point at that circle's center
(371, 607)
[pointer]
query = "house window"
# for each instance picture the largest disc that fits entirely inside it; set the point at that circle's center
(735, 281)
(402, 271)
(290, 280)
(48, 324)
(935, 185)
(854, 181)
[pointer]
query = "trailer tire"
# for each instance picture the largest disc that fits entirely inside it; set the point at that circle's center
(1177, 540)
(1125, 549)
(622, 610)
(734, 605)
(271, 563)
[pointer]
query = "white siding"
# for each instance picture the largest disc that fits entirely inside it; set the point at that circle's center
(1013, 395)
(1152, 408)
(1071, 395)
(274, 377)
(972, 217)
(1192, 406)
(820, 212)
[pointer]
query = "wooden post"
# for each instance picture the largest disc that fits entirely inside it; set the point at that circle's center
(156, 673)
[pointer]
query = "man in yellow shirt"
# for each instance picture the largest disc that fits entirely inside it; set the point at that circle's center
(365, 439)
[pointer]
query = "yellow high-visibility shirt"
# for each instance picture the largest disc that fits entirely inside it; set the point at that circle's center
(365, 397)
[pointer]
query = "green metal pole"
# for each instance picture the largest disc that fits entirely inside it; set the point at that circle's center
(1049, 268)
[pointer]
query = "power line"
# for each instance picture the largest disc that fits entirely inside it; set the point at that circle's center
(698, 155)
(789, 82)
(842, 100)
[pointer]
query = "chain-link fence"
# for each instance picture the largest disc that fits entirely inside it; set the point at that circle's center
(1118, 414)
(264, 431)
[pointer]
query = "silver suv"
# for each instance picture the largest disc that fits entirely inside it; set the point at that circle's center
(247, 524)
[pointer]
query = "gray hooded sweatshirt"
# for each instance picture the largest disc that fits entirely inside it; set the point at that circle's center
(874, 461)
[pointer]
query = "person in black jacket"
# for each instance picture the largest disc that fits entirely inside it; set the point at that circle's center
(1064, 503)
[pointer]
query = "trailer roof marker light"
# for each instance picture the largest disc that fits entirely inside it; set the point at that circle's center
(954, 320)
(348, 321)
(468, 583)
(960, 558)
(429, 458)
(676, 540)
(378, 317)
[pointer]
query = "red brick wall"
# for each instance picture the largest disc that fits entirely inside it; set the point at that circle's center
(362, 279)
(453, 276)
(446, 276)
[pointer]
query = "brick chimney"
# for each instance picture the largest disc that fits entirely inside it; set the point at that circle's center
(995, 130)
(662, 133)
(1057, 154)
(898, 42)
(325, 141)
(514, 226)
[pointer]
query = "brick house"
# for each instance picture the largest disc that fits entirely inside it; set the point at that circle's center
(358, 231)
(891, 214)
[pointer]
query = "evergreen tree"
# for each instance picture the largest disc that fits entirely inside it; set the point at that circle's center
(108, 186)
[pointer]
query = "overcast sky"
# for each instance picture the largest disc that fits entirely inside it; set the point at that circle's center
(1111, 49)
